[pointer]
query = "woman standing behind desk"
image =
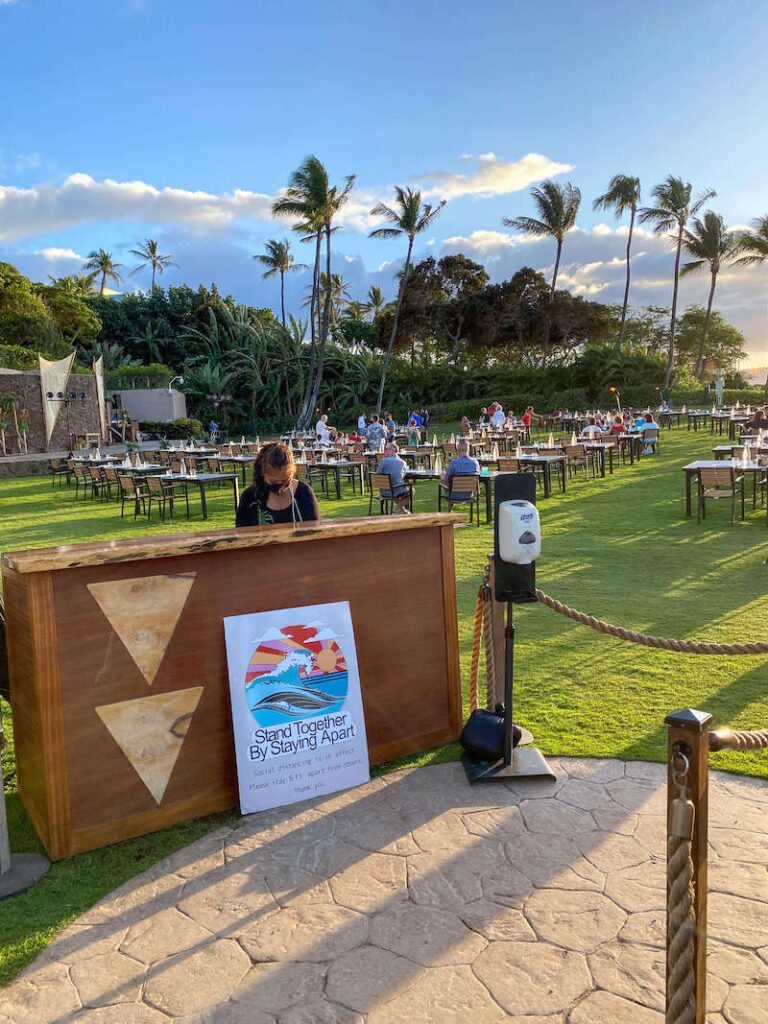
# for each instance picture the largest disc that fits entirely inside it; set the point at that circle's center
(276, 496)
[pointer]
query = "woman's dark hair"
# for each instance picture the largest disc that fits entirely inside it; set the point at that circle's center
(273, 455)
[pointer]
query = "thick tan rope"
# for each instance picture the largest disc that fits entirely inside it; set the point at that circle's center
(681, 924)
(475, 663)
(681, 646)
(725, 739)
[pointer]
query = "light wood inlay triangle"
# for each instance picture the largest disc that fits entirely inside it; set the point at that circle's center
(144, 613)
(150, 731)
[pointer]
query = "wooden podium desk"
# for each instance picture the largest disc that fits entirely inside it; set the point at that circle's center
(119, 684)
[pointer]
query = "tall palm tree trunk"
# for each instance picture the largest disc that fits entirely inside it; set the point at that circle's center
(282, 296)
(548, 325)
(303, 419)
(153, 280)
(324, 325)
(103, 282)
(705, 329)
(620, 338)
(393, 335)
(668, 374)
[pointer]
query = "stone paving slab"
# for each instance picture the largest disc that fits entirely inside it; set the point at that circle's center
(419, 898)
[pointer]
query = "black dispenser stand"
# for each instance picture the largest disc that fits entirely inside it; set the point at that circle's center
(514, 584)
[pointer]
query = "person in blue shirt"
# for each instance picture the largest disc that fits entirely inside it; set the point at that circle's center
(462, 465)
(396, 468)
(591, 429)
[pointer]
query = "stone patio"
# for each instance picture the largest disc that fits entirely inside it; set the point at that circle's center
(417, 898)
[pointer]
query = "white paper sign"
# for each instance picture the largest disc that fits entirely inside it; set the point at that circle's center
(297, 711)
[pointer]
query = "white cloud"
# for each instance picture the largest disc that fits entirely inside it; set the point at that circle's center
(53, 252)
(488, 243)
(7, 3)
(26, 212)
(492, 177)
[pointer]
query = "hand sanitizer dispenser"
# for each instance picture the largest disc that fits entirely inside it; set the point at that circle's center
(519, 532)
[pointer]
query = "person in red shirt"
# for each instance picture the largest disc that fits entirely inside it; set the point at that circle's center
(527, 416)
(617, 427)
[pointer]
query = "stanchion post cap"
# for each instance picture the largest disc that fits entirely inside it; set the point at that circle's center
(687, 718)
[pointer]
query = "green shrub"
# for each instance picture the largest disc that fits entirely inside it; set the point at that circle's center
(15, 357)
(174, 430)
(128, 378)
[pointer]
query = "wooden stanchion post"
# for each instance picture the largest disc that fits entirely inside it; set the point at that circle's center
(689, 733)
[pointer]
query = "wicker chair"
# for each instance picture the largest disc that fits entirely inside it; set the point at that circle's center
(461, 490)
(716, 483)
(382, 491)
(132, 489)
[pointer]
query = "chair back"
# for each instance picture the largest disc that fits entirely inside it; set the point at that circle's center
(56, 465)
(716, 476)
(381, 482)
(176, 465)
(214, 466)
(575, 451)
(509, 465)
(154, 485)
(302, 473)
(448, 448)
(94, 474)
(650, 434)
(111, 474)
(127, 483)
(357, 457)
(550, 451)
(464, 484)
(78, 470)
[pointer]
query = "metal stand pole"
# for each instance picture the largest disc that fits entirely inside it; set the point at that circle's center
(509, 687)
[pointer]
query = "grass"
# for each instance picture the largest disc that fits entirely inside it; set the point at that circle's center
(620, 548)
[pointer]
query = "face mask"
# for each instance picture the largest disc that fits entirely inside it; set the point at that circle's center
(276, 488)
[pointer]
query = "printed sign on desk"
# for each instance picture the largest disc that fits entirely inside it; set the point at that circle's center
(297, 712)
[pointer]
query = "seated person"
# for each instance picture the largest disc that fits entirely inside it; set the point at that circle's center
(649, 424)
(376, 432)
(465, 426)
(276, 496)
(617, 427)
(591, 429)
(511, 420)
(396, 468)
(462, 465)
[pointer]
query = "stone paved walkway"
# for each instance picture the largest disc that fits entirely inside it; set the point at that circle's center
(415, 899)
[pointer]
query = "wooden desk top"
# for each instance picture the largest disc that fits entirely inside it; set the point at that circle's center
(72, 556)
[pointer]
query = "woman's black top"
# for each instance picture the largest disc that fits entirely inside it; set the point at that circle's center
(304, 508)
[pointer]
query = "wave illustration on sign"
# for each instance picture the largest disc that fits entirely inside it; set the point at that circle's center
(296, 672)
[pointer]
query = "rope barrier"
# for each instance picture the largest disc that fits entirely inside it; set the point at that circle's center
(490, 655)
(680, 646)
(475, 663)
(726, 739)
(681, 923)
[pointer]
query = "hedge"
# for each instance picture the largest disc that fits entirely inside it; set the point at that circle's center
(173, 430)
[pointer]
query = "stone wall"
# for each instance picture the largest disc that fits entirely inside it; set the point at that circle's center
(83, 415)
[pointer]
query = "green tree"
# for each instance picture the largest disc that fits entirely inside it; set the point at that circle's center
(74, 319)
(623, 195)
(25, 319)
(79, 285)
(754, 244)
(710, 244)
(149, 254)
(279, 260)
(100, 262)
(374, 301)
(409, 217)
(557, 206)
(725, 344)
(674, 207)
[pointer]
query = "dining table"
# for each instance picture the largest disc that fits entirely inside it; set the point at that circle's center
(692, 473)
(201, 480)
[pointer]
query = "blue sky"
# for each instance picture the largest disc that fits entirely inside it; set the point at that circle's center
(182, 120)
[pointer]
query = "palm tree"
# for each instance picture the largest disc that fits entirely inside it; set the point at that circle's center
(709, 243)
(278, 260)
(557, 206)
(409, 217)
(100, 262)
(339, 295)
(150, 255)
(674, 208)
(79, 285)
(374, 303)
(754, 244)
(623, 194)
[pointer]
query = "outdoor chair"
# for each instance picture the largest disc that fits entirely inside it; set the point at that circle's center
(164, 457)
(449, 449)
(461, 490)
(111, 480)
(510, 464)
(163, 492)
(382, 491)
(318, 471)
(579, 457)
(132, 489)
(81, 480)
(716, 483)
(651, 439)
(60, 469)
(351, 474)
(97, 482)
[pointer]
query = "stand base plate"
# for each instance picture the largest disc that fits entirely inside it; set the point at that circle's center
(528, 763)
(25, 871)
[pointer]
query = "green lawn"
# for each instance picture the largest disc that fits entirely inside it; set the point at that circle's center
(621, 549)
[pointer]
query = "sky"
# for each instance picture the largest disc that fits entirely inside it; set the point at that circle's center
(181, 120)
